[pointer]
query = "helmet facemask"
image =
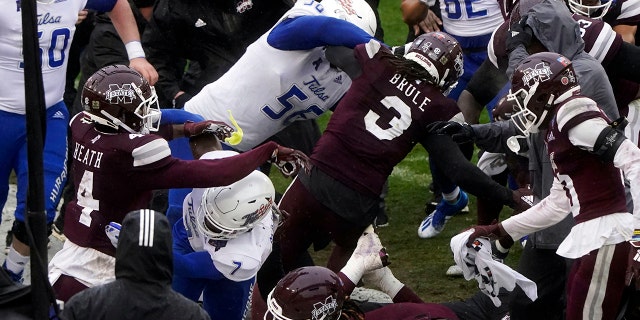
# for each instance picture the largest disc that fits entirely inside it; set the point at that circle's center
(148, 112)
(589, 8)
(528, 120)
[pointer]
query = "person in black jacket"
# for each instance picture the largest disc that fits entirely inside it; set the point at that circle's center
(144, 271)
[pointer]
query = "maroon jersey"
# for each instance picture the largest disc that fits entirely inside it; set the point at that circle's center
(594, 187)
(377, 123)
(116, 173)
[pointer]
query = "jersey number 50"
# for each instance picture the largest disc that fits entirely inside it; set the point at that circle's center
(57, 47)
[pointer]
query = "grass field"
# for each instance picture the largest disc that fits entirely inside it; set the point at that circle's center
(420, 263)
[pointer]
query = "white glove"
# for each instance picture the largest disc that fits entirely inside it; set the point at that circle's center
(368, 255)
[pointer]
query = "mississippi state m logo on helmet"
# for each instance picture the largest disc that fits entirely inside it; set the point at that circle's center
(117, 94)
(324, 308)
(540, 73)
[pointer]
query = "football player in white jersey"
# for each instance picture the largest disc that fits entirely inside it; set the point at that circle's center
(56, 26)
(222, 240)
(282, 77)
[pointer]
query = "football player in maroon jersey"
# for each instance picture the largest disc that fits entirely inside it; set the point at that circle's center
(587, 152)
(376, 124)
(117, 164)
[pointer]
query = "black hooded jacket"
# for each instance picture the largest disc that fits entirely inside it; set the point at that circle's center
(144, 269)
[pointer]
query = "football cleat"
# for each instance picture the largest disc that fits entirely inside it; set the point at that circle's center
(434, 223)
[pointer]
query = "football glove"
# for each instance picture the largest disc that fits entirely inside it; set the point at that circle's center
(220, 129)
(491, 231)
(290, 161)
(459, 132)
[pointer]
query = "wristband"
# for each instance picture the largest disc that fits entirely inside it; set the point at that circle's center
(134, 50)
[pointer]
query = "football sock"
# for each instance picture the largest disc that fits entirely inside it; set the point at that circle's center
(15, 262)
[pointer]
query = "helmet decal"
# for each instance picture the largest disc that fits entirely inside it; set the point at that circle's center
(120, 94)
(540, 73)
(324, 308)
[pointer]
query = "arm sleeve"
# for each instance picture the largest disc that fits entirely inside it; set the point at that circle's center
(551, 210)
(493, 136)
(204, 173)
(448, 157)
(307, 32)
(627, 159)
(195, 265)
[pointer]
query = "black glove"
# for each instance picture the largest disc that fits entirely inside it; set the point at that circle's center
(519, 34)
(459, 132)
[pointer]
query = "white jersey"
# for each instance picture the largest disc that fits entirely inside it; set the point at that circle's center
(268, 88)
(237, 259)
(56, 26)
(467, 18)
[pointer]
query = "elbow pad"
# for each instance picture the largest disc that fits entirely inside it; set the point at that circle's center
(608, 143)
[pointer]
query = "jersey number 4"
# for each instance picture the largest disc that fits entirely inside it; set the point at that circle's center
(85, 198)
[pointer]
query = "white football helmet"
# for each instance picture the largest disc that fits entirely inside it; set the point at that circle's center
(595, 9)
(228, 211)
(357, 12)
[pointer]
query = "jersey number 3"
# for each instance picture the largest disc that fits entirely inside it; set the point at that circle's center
(400, 121)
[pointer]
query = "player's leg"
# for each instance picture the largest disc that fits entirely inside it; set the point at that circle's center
(227, 299)
(453, 200)
(13, 132)
(596, 283)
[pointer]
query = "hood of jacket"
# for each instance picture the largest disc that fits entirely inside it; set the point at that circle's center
(144, 248)
(554, 26)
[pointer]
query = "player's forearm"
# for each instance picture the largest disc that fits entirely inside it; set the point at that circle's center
(124, 22)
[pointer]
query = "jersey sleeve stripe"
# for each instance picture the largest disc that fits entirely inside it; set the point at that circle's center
(603, 43)
(490, 52)
(150, 152)
(629, 9)
(574, 108)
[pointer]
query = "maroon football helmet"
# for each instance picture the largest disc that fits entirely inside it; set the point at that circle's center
(120, 98)
(441, 55)
(307, 293)
(539, 81)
